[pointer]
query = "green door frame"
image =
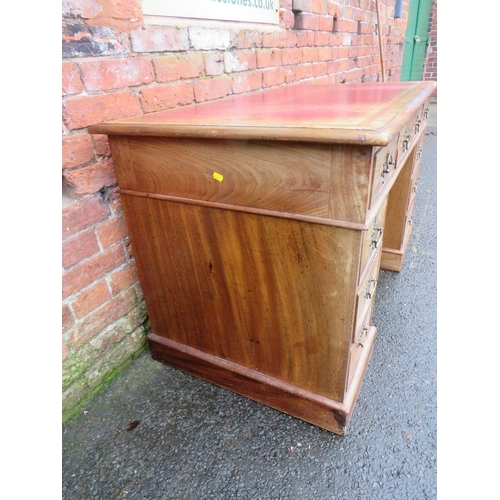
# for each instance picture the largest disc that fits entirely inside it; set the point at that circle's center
(416, 40)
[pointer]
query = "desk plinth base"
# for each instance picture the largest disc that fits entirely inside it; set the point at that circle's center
(318, 410)
(392, 260)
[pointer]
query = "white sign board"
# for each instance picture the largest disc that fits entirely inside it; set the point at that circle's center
(250, 11)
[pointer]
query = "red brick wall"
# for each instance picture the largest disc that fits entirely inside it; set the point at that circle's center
(115, 64)
(430, 67)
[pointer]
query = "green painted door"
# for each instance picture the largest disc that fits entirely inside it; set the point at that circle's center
(416, 40)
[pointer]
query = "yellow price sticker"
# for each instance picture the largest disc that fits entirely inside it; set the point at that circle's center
(218, 177)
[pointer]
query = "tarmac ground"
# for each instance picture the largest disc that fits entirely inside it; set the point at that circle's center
(157, 433)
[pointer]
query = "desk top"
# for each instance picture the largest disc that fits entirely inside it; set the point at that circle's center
(355, 113)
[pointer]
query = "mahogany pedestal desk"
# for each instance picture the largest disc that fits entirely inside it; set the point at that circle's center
(259, 224)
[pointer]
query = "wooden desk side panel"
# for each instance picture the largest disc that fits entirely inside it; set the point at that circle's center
(270, 294)
(277, 176)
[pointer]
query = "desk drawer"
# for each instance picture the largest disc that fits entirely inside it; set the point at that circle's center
(358, 344)
(372, 241)
(384, 167)
(366, 292)
(410, 133)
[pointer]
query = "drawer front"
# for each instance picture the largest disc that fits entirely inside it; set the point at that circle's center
(358, 344)
(366, 292)
(292, 178)
(410, 133)
(384, 166)
(372, 241)
(418, 155)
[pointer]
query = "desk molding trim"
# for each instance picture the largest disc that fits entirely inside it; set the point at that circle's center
(283, 396)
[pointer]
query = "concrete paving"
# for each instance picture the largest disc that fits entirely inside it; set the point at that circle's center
(193, 440)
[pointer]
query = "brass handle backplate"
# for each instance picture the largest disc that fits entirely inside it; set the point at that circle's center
(406, 141)
(370, 288)
(376, 236)
(362, 337)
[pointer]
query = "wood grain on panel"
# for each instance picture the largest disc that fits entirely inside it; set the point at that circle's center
(267, 293)
(265, 175)
(350, 182)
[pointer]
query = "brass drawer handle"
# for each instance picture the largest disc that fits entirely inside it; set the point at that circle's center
(417, 125)
(376, 236)
(414, 186)
(419, 153)
(426, 113)
(389, 162)
(362, 337)
(370, 288)
(406, 141)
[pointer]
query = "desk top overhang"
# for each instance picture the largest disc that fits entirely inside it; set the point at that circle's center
(355, 113)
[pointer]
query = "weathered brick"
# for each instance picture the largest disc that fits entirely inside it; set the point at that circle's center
(81, 8)
(291, 56)
(304, 71)
(110, 351)
(272, 77)
(239, 61)
(68, 320)
(88, 180)
(91, 299)
(77, 150)
(287, 18)
(121, 15)
(320, 6)
(302, 5)
(159, 39)
(326, 23)
(310, 54)
(71, 82)
(212, 88)
(81, 40)
(291, 39)
(112, 231)
(177, 67)
(322, 38)
(305, 38)
(168, 96)
(81, 112)
(275, 39)
(247, 81)
(246, 39)
(123, 278)
(78, 248)
(99, 319)
(101, 144)
(82, 214)
(267, 58)
(65, 350)
(110, 74)
(319, 69)
(209, 39)
(290, 74)
(306, 21)
(325, 53)
(214, 63)
(83, 275)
